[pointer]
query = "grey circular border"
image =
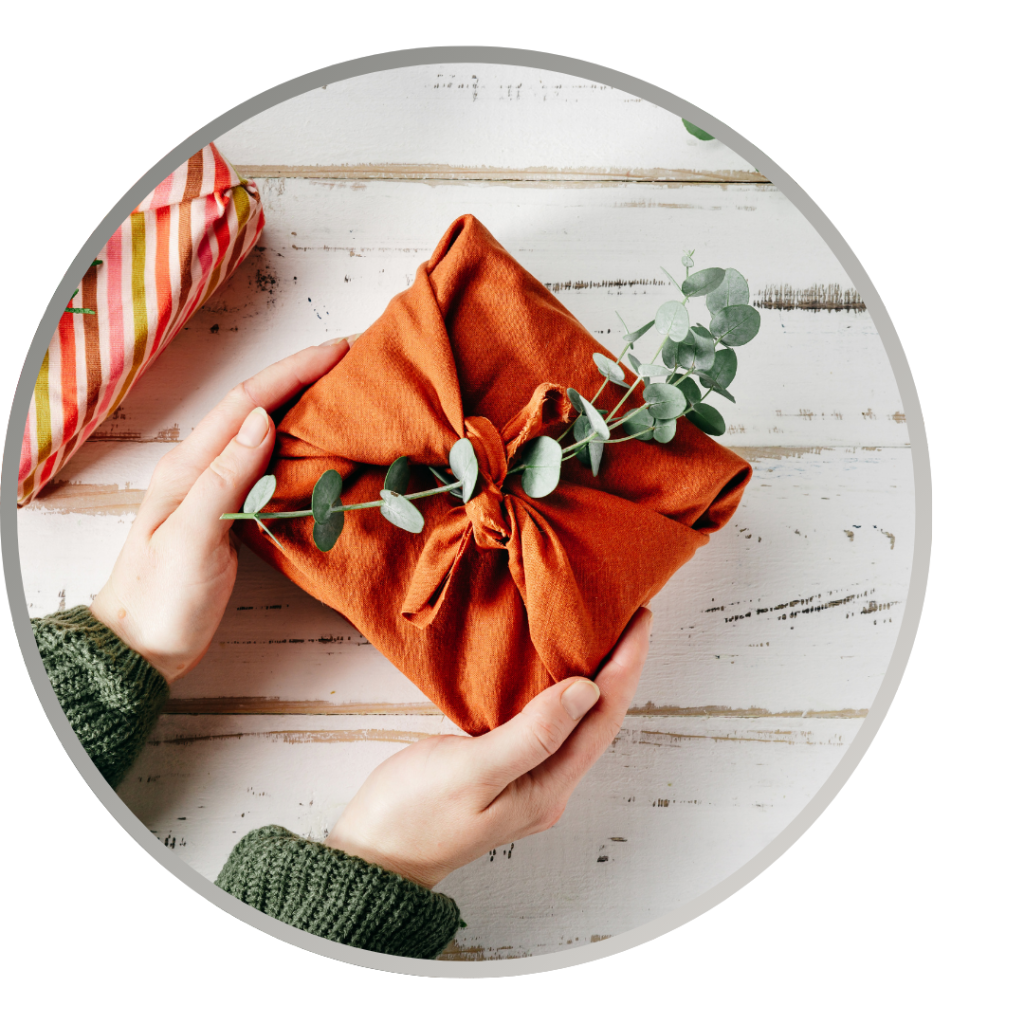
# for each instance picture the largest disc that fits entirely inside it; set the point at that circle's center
(546, 62)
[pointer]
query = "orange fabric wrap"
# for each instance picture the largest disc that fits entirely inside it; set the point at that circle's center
(498, 598)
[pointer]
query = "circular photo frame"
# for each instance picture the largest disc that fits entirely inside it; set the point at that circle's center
(775, 653)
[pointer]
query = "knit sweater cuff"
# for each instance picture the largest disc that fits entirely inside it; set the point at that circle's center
(328, 893)
(110, 693)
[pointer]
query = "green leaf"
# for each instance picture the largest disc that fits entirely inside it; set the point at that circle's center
(633, 361)
(597, 423)
(664, 431)
(638, 333)
(590, 454)
(325, 494)
(575, 398)
(703, 281)
(690, 391)
(736, 325)
(398, 474)
(326, 534)
(708, 418)
(262, 491)
(688, 260)
(733, 291)
(696, 352)
(723, 370)
(697, 133)
(542, 459)
(462, 462)
(653, 370)
(640, 422)
(400, 511)
(670, 352)
(672, 319)
(609, 368)
(700, 331)
(664, 401)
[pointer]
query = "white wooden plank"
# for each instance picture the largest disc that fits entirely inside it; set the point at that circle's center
(333, 255)
(669, 811)
(432, 118)
(793, 607)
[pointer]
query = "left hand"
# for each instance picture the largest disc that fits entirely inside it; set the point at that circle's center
(174, 575)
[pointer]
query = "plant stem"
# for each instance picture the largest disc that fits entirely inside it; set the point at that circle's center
(337, 508)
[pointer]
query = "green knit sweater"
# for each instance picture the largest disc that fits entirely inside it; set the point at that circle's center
(112, 697)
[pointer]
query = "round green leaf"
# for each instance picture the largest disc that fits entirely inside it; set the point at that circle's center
(398, 474)
(653, 370)
(733, 291)
(609, 368)
(670, 351)
(698, 353)
(691, 392)
(597, 423)
(700, 331)
(697, 133)
(641, 423)
(708, 418)
(688, 260)
(542, 459)
(664, 430)
(723, 369)
(590, 454)
(325, 494)
(672, 319)
(736, 325)
(633, 361)
(326, 534)
(664, 401)
(575, 398)
(262, 491)
(400, 511)
(702, 282)
(462, 462)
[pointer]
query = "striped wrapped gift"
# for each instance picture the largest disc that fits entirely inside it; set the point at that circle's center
(162, 264)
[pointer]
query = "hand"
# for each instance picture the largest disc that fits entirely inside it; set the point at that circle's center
(447, 800)
(174, 575)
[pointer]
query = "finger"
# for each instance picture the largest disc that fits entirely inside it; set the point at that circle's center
(223, 485)
(268, 389)
(617, 681)
(537, 732)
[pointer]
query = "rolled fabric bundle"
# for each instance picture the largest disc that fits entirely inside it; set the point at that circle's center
(183, 241)
(501, 596)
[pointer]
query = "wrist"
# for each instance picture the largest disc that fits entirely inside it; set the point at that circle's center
(112, 613)
(340, 838)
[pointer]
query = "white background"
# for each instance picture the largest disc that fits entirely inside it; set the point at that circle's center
(902, 901)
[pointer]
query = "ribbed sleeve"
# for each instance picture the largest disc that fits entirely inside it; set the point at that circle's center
(328, 893)
(110, 694)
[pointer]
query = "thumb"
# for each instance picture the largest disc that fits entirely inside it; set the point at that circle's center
(223, 485)
(522, 743)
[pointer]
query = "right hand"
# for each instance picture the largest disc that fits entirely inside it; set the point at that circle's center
(444, 801)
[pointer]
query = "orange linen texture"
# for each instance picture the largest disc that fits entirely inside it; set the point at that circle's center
(498, 598)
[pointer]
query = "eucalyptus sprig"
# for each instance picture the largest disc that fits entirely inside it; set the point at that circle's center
(692, 358)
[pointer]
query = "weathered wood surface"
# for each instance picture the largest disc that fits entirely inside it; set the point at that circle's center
(768, 647)
(669, 811)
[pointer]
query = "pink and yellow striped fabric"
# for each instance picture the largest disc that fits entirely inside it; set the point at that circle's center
(162, 264)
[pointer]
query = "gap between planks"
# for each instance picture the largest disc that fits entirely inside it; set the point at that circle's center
(276, 706)
(537, 175)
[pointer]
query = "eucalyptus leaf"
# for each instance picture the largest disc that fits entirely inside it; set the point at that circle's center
(633, 361)
(590, 454)
(609, 368)
(326, 534)
(574, 398)
(664, 431)
(703, 281)
(262, 491)
(398, 475)
(690, 390)
(672, 319)
(640, 422)
(698, 353)
(700, 331)
(664, 401)
(723, 370)
(733, 291)
(670, 351)
(688, 260)
(638, 333)
(697, 133)
(708, 418)
(325, 494)
(462, 462)
(542, 459)
(401, 512)
(736, 325)
(719, 390)
(646, 370)
(597, 423)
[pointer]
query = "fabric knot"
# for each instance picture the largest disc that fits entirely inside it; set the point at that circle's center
(486, 508)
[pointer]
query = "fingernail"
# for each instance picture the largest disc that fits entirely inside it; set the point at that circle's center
(579, 698)
(254, 429)
(332, 341)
